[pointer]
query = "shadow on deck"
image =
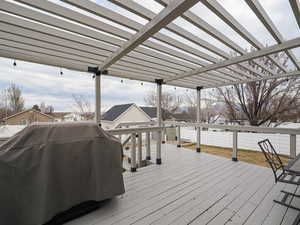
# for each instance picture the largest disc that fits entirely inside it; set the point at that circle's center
(193, 188)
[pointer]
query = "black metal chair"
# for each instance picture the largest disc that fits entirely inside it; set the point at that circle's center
(281, 172)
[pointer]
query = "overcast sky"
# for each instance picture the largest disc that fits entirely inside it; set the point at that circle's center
(41, 83)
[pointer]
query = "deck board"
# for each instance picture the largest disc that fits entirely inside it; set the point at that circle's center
(193, 188)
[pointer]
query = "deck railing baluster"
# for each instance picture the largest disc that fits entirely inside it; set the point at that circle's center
(133, 152)
(293, 146)
(139, 154)
(234, 145)
(148, 148)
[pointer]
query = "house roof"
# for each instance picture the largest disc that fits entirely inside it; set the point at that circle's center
(115, 111)
(28, 110)
(150, 111)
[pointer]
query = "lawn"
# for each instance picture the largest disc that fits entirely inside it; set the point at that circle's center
(248, 156)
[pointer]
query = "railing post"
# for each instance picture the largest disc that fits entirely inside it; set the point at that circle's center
(234, 145)
(198, 147)
(159, 83)
(133, 153)
(293, 146)
(139, 155)
(163, 134)
(148, 150)
(178, 137)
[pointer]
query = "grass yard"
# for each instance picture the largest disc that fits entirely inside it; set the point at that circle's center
(248, 156)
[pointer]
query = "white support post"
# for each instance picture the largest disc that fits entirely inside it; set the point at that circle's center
(178, 137)
(140, 154)
(133, 153)
(234, 145)
(159, 83)
(293, 141)
(148, 150)
(98, 97)
(198, 147)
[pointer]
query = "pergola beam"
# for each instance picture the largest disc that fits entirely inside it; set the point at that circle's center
(270, 26)
(295, 5)
(294, 43)
(276, 76)
(175, 9)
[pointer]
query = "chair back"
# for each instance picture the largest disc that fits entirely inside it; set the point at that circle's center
(272, 157)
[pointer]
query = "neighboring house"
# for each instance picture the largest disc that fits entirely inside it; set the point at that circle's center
(27, 117)
(58, 116)
(127, 113)
(74, 116)
(71, 116)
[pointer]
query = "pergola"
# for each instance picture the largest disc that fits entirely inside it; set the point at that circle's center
(55, 34)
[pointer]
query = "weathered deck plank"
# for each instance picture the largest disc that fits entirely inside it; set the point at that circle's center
(192, 188)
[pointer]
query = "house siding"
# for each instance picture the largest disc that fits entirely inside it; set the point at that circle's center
(133, 114)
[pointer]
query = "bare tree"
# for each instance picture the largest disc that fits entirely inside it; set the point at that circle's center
(170, 102)
(262, 102)
(4, 110)
(16, 101)
(208, 112)
(82, 105)
(49, 109)
(46, 109)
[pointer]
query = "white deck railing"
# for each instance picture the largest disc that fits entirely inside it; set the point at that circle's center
(235, 130)
(136, 155)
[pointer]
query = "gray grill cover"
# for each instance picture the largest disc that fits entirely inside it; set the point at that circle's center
(48, 168)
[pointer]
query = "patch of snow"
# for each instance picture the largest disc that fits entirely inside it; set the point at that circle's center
(7, 131)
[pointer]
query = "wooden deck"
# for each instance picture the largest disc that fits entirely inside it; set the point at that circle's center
(193, 188)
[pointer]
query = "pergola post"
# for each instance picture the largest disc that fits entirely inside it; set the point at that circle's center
(98, 97)
(159, 83)
(97, 75)
(198, 147)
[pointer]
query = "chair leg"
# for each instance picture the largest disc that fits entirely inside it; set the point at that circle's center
(290, 193)
(287, 205)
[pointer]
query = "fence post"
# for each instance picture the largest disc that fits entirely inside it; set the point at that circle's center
(293, 146)
(133, 153)
(234, 145)
(139, 155)
(148, 150)
(178, 137)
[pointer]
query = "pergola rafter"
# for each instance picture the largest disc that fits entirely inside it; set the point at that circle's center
(295, 5)
(171, 12)
(294, 43)
(270, 26)
(48, 30)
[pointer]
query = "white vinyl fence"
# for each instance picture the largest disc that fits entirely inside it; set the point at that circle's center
(246, 140)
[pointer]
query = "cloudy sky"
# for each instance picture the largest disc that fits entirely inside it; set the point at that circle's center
(41, 83)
